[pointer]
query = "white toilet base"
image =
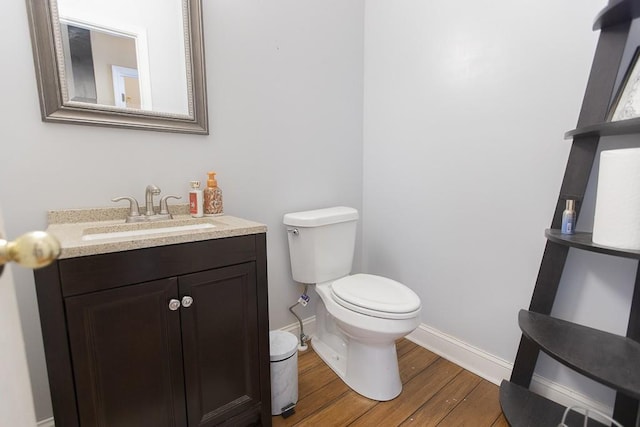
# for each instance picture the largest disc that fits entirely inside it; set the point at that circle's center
(358, 322)
(374, 372)
(360, 349)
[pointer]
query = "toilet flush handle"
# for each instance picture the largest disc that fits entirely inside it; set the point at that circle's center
(293, 231)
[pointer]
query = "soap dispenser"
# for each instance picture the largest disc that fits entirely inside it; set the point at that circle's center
(212, 196)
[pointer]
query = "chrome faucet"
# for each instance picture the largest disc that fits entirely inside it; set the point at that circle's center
(150, 214)
(151, 191)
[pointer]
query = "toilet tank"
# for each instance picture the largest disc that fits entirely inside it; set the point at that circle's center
(321, 243)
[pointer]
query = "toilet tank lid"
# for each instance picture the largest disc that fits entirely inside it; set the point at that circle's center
(318, 217)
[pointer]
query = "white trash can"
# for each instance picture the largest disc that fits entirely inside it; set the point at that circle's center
(283, 351)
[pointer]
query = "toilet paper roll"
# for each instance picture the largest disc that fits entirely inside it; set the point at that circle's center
(617, 214)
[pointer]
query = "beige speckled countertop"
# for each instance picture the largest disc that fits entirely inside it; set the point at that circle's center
(73, 227)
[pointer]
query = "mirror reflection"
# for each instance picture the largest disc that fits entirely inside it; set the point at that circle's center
(124, 53)
(136, 64)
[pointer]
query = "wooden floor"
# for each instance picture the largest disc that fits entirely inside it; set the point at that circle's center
(435, 392)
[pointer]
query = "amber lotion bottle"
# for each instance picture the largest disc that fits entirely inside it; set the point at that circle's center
(212, 196)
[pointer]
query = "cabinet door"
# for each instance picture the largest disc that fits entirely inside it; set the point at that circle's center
(127, 361)
(220, 346)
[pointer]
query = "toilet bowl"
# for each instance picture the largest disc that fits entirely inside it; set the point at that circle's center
(363, 354)
(358, 317)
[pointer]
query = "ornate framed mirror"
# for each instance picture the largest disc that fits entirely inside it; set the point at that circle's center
(135, 64)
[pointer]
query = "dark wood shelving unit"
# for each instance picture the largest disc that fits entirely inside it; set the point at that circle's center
(583, 241)
(610, 359)
(616, 12)
(621, 127)
(607, 358)
(525, 409)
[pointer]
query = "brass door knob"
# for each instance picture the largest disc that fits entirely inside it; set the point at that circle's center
(32, 250)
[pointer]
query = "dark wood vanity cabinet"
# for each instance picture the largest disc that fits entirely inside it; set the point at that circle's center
(166, 336)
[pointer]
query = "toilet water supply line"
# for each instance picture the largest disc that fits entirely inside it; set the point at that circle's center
(303, 301)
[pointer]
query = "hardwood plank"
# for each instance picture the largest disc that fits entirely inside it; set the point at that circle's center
(413, 362)
(480, 408)
(439, 406)
(341, 412)
(314, 379)
(318, 386)
(313, 402)
(436, 392)
(308, 360)
(500, 422)
(414, 394)
(403, 346)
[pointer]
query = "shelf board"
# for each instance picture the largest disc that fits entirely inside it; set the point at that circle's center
(583, 241)
(610, 359)
(616, 12)
(621, 127)
(523, 408)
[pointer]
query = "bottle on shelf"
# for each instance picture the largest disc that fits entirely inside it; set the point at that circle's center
(569, 218)
(212, 196)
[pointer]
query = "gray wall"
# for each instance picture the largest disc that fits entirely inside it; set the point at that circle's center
(285, 101)
(464, 117)
(460, 135)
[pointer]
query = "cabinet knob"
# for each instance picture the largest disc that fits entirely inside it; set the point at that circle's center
(174, 304)
(187, 301)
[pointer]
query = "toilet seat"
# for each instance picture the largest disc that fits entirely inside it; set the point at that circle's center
(375, 296)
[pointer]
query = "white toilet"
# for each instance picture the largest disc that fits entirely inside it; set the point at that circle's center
(358, 317)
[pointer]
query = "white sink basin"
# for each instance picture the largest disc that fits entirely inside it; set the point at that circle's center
(95, 234)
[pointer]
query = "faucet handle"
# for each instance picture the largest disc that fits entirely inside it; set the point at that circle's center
(134, 210)
(164, 208)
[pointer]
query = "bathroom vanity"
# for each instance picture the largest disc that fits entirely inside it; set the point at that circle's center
(162, 329)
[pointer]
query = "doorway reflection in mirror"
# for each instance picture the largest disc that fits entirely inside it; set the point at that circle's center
(101, 67)
(118, 54)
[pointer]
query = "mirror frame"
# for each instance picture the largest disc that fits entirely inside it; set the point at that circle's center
(55, 109)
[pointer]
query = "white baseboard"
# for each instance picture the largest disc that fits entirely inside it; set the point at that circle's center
(495, 369)
(471, 358)
(568, 397)
(47, 422)
(308, 324)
